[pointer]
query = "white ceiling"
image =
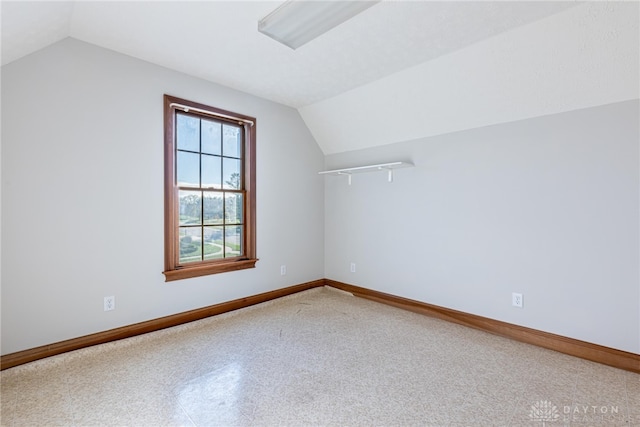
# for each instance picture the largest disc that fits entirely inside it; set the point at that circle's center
(342, 71)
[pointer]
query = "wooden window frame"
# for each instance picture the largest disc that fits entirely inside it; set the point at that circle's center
(173, 270)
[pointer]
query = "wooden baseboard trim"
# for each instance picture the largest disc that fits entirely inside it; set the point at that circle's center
(585, 350)
(30, 355)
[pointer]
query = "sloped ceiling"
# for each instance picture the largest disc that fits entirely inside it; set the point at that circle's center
(583, 57)
(400, 70)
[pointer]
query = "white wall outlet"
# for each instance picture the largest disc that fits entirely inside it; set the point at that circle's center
(109, 303)
(353, 267)
(516, 300)
(283, 270)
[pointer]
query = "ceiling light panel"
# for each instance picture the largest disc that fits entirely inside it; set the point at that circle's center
(297, 22)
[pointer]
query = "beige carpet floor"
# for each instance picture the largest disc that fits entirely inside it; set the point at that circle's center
(320, 357)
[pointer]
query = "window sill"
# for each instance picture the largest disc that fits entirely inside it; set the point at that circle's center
(207, 269)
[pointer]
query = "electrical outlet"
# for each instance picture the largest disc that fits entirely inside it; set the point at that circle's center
(109, 303)
(353, 267)
(516, 300)
(283, 270)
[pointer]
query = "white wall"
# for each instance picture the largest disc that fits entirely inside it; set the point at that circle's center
(82, 195)
(548, 207)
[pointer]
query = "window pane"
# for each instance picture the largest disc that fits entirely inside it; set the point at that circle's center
(213, 208)
(211, 171)
(213, 248)
(233, 241)
(211, 136)
(190, 207)
(187, 133)
(190, 241)
(188, 173)
(233, 208)
(232, 144)
(231, 174)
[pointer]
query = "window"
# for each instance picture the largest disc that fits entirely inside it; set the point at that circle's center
(209, 190)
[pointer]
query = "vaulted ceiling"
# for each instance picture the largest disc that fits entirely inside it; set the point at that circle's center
(400, 70)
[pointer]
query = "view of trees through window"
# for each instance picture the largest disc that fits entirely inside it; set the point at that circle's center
(210, 188)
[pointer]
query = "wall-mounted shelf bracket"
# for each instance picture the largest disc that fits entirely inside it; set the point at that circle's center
(389, 167)
(345, 173)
